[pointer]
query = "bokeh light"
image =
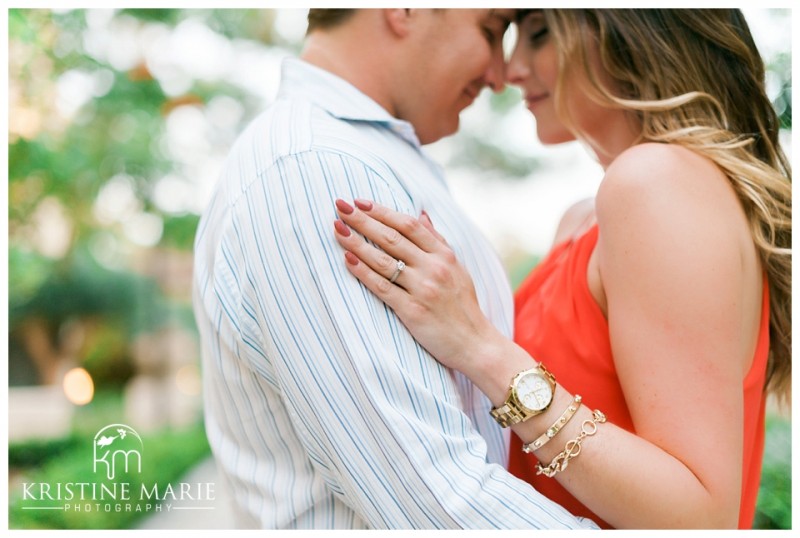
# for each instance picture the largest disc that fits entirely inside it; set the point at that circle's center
(187, 378)
(78, 386)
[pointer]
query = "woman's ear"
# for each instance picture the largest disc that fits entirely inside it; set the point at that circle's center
(398, 20)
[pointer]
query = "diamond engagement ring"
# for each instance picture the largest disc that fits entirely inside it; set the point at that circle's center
(400, 266)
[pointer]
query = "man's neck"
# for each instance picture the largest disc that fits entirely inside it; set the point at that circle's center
(350, 60)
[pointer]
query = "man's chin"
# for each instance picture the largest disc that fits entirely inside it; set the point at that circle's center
(443, 132)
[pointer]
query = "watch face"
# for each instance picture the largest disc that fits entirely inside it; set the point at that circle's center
(534, 392)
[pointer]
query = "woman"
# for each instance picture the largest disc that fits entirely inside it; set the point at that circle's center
(662, 314)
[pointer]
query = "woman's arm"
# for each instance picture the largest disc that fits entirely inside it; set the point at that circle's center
(673, 275)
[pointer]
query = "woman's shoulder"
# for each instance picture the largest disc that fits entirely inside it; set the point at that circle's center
(669, 199)
(651, 178)
(649, 163)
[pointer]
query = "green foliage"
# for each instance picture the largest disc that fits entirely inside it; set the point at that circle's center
(35, 452)
(106, 357)
(781, 68)
(167, 16)
(179, 232)
(119, 129)
(774, 508)
(32, 270)
(167, 457)
(117, 304)
(80, 287)
(18, 27)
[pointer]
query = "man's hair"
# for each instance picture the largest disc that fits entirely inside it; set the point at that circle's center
(324, 19)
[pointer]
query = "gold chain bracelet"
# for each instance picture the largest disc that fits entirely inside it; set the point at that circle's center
(573, 447)
(551, 432)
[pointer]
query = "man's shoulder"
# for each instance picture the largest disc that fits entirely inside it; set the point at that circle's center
(291, 132)
(292, 127)
(286, 126)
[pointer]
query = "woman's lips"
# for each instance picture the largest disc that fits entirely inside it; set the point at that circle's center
(533, 100)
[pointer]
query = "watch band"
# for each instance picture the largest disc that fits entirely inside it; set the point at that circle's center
(507, 415)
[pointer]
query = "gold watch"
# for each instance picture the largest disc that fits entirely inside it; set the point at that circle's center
(530, 394)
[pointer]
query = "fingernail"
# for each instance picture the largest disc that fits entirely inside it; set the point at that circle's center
(351, 258)
(344, 207)
(364, 205)
(342, 228)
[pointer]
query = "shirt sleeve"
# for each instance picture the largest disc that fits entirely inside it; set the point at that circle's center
(380, 419)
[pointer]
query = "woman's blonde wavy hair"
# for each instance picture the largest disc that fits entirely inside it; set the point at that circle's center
(694, 77)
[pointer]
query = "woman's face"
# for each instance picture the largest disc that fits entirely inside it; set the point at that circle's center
(534, 68)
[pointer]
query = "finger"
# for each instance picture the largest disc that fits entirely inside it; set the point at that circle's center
(388, 239)
(426, 221)
(407, 225)
(376, 259)
(385, 291)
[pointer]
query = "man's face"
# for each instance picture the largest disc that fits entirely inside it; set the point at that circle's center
(457, 53)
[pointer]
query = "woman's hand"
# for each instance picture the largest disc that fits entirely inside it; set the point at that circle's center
(433, 295)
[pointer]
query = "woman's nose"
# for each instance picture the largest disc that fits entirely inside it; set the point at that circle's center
(517, 69)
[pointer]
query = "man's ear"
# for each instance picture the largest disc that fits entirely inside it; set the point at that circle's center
(398, 21)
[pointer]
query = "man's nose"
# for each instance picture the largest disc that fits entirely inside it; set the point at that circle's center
(496, 73)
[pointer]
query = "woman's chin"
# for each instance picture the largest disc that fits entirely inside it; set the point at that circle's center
(550, 138)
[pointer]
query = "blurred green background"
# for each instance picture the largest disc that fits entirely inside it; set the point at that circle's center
(119, 120)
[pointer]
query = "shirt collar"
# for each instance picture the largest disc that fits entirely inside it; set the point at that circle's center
(337, 96)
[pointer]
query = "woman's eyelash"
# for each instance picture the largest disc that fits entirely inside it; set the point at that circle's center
(535, 36)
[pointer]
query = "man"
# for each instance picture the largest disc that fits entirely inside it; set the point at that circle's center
(321, 409)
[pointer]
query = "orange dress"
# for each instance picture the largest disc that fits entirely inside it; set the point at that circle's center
(558, 322)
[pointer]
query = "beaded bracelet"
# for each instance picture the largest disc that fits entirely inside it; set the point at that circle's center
(572, 448)
(555, 428)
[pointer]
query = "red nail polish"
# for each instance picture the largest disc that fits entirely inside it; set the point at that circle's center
(344, 207)
(364, 205)
(342, 228)
(351, 258)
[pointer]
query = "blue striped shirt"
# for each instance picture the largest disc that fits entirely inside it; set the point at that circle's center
(321, 409)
